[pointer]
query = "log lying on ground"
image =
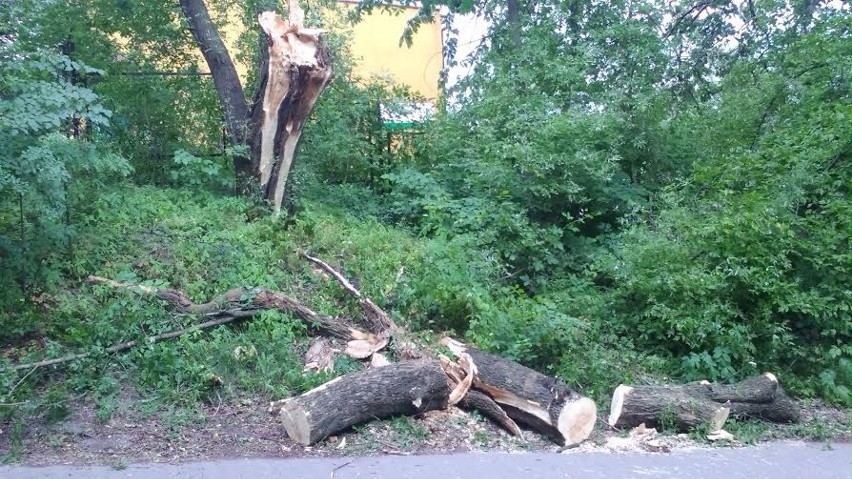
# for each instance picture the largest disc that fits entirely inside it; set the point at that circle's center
(542, 403)
(408, 387)
(702, 403)
(246, 302)
(475, 400)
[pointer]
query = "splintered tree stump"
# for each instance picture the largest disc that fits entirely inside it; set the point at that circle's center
(298, 70)
(542, 403)
(691, 405)
(408, 387)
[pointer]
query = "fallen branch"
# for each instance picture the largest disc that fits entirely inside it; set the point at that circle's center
(247, 302)
(484, 404)
(379, 321)
(234, 304)
(129, 344)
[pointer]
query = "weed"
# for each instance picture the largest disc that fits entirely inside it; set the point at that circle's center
(668, 420)
(748, 431)
(482, 437)
(105, 408)
(16, 442)
(56, 440)
(408, 431)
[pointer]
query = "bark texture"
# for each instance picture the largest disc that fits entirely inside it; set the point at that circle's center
(246, 302)
(225, 78)
(408, 387)
(294, 70)
(542, 403)
(691, 405)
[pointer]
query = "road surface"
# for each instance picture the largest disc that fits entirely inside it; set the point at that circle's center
(775, 460)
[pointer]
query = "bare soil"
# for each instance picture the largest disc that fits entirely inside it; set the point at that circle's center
(140, 431)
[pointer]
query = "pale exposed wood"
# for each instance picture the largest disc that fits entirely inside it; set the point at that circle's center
(298, 70)
(378, 320)
(320, 356)
(339, 277)
(479, 401)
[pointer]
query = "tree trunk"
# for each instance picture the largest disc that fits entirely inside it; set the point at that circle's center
(297, 71)
(542, 403)
(513, 18)
(225, 78)
(294, 71)
(409, 387)
(691, 405)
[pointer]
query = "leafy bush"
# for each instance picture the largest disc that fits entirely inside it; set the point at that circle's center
(746, 267)
(45, 174)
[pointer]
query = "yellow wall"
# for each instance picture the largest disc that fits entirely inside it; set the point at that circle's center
(375, 44)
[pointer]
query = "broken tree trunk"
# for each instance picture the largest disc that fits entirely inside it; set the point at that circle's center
(691, 405)
(295, 68)
(408, 387)
(542, 403)
(379, 321)
(298, 70)
(475, 400)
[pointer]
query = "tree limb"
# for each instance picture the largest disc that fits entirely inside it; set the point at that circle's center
(129, 344)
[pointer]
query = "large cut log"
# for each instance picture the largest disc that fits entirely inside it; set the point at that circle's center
(690, 405)
(542, 403)
(408, 387)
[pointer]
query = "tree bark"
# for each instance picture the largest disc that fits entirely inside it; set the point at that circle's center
(540, 402)
(225, 78)
(475, 400)
(691, 405)
(297, 71)
(409, 387)
(245, 302)
(294, 70)
(513, 18)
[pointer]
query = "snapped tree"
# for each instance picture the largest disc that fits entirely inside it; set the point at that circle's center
(294, 70)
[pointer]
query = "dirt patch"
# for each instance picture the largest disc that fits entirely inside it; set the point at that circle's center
(141, 432)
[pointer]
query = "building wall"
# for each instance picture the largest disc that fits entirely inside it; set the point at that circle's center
(375, 43)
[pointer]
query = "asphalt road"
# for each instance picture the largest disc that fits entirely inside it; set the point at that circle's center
(775, 461)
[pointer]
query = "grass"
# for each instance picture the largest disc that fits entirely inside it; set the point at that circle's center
(204, 245)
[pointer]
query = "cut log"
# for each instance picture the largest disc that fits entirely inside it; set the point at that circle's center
(408, 387)
(542, 403)
(691, 405)
(665, 407)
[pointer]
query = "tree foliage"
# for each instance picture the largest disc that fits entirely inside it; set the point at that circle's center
(617, 189)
